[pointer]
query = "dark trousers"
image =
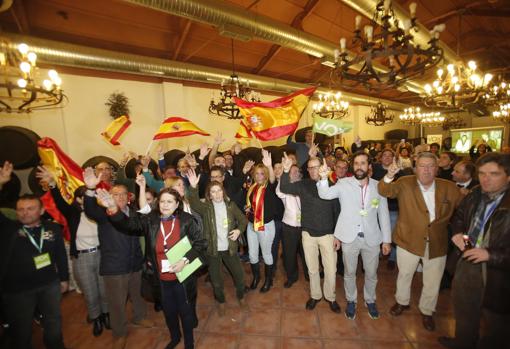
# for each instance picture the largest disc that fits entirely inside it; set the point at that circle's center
(233, 264)
(276, 241)
(117, 289)
(19, 311)
(176, 307)
(467, 296)
(292, 244)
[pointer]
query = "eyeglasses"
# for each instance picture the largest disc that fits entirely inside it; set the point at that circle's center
(313, 167)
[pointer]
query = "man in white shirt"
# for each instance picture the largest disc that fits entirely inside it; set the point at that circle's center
(363, 224)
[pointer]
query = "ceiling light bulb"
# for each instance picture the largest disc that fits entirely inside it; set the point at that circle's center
(58, 81)
(32, 57)
(47, 84)
(52, 74)
(472, 65)
(487, 78)
(25, 67)
(412, 9)
(440, 72)
(435, 84)
(457, 88)
(440, 89)
(369, 30)
(23, 49)
(22, 83)
(450, 68)
(455, 79)
(428, 88)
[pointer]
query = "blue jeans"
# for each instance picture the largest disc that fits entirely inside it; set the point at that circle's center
(264, 240)
(19, 309)
(393, 223)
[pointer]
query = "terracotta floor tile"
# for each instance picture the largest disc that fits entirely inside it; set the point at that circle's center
(259, 342)
(270, 299)
(301, 343)
(345, 344)
(294, 297)
(300, 323)
(143, 338)
(413, 328)
(214, 340)
(382, 344)
(336, 325)
(383, 328)
(228, 323)
(262, 321)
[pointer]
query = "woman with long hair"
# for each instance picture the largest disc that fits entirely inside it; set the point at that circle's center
(163, 228)
(223, 223)
(261, 202)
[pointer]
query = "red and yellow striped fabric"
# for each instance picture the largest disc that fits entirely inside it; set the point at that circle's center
(115, 129)
(175, 126)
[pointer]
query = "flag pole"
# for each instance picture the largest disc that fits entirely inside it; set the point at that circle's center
(149, 147)
(260, 144)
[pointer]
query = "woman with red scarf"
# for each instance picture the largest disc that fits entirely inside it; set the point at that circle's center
(261, 201)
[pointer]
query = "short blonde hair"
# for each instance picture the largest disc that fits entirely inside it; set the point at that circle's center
(260, 166)
(170, 182)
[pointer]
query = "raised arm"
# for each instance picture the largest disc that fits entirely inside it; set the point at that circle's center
(266, 160)
(387, 187)
(286, 186)
(194, 200)
(325, 191)
(214, 150)
(44, 174)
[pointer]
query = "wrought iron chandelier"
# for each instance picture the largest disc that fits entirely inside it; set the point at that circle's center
(503, 114)
(379, 115)
(331, 106)
(453, 122)
(21, 90)
(413, 116)
(226, 106)
(392, 46)
(498, 93)
(457, 86)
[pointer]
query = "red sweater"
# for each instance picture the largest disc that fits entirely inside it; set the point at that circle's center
(171, 240)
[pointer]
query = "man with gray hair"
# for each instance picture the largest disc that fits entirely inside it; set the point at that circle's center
(426, 204)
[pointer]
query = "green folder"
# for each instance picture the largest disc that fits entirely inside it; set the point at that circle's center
(176, 253)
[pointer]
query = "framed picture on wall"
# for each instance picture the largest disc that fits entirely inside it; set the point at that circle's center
(435, 139)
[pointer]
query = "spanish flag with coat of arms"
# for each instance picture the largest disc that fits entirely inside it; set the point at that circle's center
(275, 119)
(175, 126)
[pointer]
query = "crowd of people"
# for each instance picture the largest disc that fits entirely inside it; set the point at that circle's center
(426, 209)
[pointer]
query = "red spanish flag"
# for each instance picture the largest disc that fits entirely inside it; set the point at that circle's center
(69, 176)
(115, 129)
(275, 119)
(175, 126)
(243, 133)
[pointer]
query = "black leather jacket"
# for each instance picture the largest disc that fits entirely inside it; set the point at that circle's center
(497, 289)
(150, 224)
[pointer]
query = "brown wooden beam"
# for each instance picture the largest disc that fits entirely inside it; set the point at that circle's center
(453, 13)
(297, 22)
(183, 37)
(19, 14)
(200, 48)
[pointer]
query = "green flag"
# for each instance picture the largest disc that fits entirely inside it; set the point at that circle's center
(330, 127)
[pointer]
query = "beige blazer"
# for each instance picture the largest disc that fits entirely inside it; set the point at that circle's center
(413, 227)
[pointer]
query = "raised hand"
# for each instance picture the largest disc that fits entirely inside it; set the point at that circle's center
(160, 152)
(105, 198)
(247, 166)
(5, 172)
(313, 151)
(324, 170)
(236, 148)
(286, 162)
(266, 158)
(218, 139)
(90, 179)
(140, 180)
(393, 169)
(193, 178)
(45, 175)
(192, 161)
(204, 150)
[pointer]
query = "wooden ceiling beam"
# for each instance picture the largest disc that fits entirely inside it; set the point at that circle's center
(199, 48)
(183, 37)
(297, 22)
(19, 14)
(454, 13)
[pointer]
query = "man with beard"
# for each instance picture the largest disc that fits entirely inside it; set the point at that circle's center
(363, 224)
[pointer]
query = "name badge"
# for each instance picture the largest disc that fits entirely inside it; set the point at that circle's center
(225, 223)
(42, 260)
(363, 213)
(165, 266)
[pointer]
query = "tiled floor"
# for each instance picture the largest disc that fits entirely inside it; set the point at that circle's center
(278, 319)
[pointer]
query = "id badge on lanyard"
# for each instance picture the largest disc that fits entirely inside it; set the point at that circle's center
(42, 260)
(165, 264)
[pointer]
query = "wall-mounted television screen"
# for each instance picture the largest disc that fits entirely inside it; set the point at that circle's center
(465, 138)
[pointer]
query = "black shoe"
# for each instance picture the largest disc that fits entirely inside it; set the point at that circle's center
(105, 319)
(97, 326)
(173, 344)
(288, 284)
(335, 308)
(157, 307)
(268, 278)
(311, 303)
(255, 271)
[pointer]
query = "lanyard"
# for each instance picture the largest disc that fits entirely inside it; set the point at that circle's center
(32, 240)
(166, 236)
(364, 190)
(489, 211)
